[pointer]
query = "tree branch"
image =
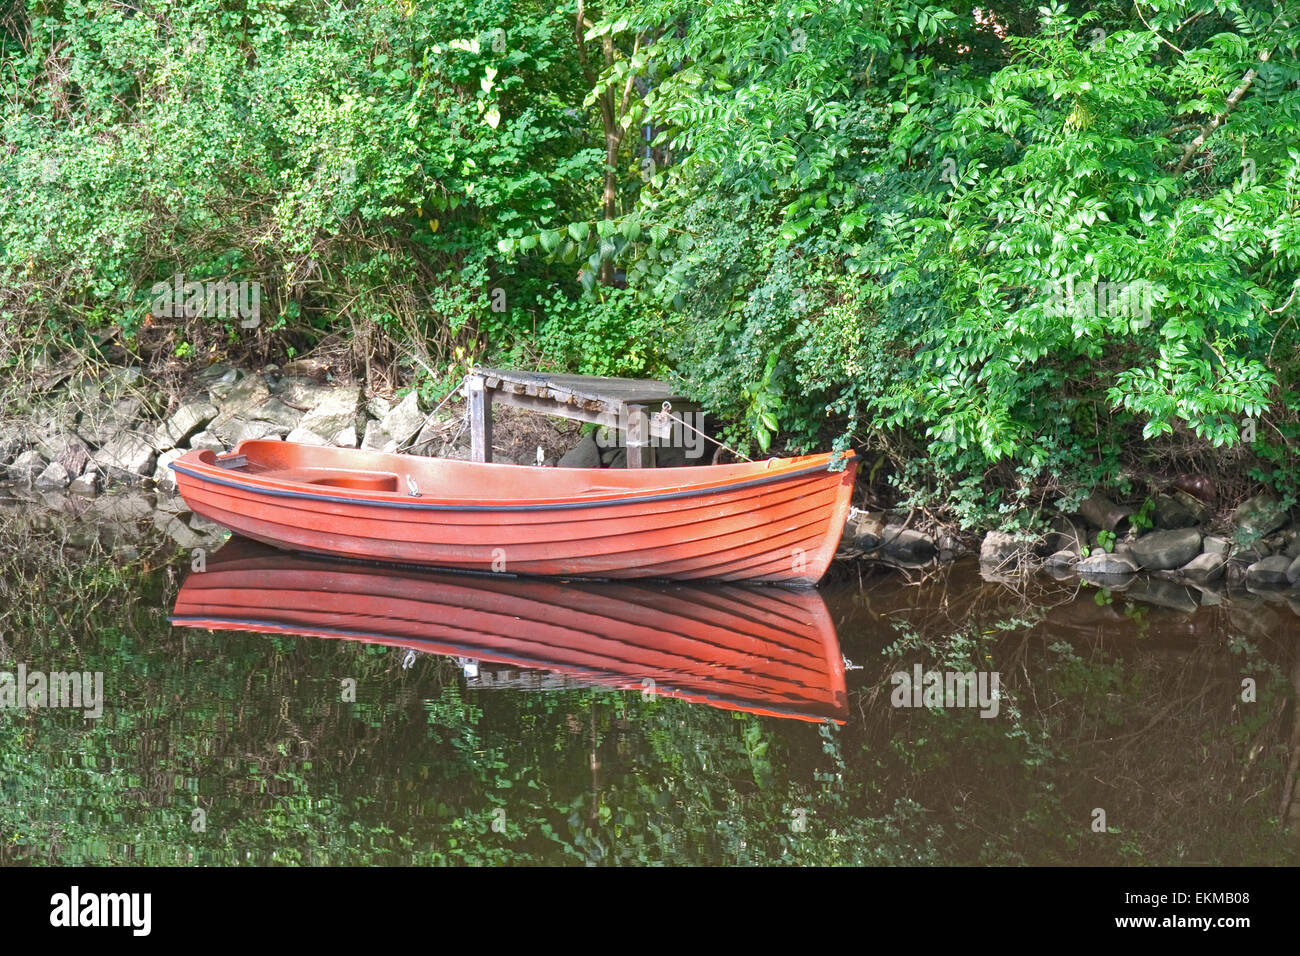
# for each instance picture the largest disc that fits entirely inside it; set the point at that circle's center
(1234, 98)
(631, 75)
(578, 23)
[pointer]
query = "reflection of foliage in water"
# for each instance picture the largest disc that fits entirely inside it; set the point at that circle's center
(1158, 737)
(420, 770)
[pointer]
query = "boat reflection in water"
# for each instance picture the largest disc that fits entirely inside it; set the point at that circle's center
(763, 650)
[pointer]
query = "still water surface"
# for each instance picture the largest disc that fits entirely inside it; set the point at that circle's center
(274, 709)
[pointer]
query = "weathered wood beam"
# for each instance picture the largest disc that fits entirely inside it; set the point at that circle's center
(549, 407)
(640, 453)
(480, 418)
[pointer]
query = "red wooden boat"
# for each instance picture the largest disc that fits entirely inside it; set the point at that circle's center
(774, 521)
(762, 650)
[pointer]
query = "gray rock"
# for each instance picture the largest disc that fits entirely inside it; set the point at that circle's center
(1248, 556)
(1179, 510)
(11, 442)
(1293, 571)
(54, 477)
(336, 413)
(238, 408)
(607, 440)
(671, 456)
(184, 536)
(1064, 559)
(277, 413)
(170, 505)
(271, 418)
(404, 420)
(907, 547)
(163, 476)
(203, 526)
(218, 373)
(99, 424)
(999, 550)
(1163, 594)
(88, 483)
(376, 439)
(345, 437)
(124, 507)
(1101, 512)
(304, 392)
(431, 438)
(1275, 544)
(206, 439)
(118, 380)
(233, 431)
(1292, 547)
(239, 397)
(1102, 564)
(378, 407)
(863, 532)
(27, 466)
(585, 454)
(54, 439)
(1203, 568)
(127, 452)
(1270, 572)
(1211, 598)
(305, 436)
(185, 422)
(1167, 514)
(1258, 516)
(1161, 550)
(1213, 544)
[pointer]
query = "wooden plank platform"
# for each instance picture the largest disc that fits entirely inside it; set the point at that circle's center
(633, 405)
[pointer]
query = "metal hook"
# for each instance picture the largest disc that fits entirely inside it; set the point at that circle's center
(412, 488)
(664, 415)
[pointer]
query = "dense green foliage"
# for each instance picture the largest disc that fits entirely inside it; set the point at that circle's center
(1007, 252)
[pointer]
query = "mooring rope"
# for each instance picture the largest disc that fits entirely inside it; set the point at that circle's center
(666, 412)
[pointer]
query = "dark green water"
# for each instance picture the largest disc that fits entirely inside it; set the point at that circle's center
(234, 747)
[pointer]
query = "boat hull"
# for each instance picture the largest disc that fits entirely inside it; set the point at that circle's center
(777, 521)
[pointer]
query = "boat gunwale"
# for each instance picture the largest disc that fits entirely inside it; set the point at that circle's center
(215, 474)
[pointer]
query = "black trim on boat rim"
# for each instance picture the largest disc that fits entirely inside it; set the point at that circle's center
(559, 506)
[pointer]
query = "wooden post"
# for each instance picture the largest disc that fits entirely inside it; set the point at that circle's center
(480, 419)
(639, 452)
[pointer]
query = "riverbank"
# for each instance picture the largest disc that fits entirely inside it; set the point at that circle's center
(112, 431)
